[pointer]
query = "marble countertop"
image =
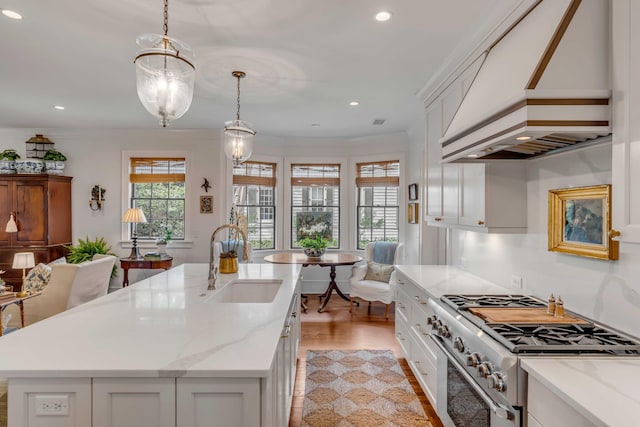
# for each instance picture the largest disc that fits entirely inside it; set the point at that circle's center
(438, 280)
(604, 390)
(165, 326)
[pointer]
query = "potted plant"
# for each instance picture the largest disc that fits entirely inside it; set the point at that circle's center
(8, 161)
(54, 162)
(86, 249)
(313, 241)
(162, 241)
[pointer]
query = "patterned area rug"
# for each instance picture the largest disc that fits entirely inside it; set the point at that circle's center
(359, 388)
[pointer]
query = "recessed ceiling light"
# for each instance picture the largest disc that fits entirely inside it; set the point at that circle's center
(473, 156)
(58, 107)
(354, 103)
(523, 138)
(11, 14)
(383, 16)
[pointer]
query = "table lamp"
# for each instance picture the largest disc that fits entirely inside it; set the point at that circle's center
(134, 216)
(23, 260)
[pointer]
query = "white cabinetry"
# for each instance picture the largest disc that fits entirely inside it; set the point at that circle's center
(412, 332)
(442, 180)
(547, 409)
(228, 401)
(626, 126)
(493, 197)
(130, 402)
(488, 197)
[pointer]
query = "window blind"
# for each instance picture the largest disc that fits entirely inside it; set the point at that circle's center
(156, 169)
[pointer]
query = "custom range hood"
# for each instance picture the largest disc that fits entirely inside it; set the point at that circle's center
(543, 86)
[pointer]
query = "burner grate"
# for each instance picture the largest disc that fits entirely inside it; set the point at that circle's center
(459, 302)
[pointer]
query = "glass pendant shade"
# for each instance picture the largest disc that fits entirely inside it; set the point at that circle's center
(165, 76)
(238, 141)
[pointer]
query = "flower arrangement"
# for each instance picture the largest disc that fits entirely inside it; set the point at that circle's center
(168, 234)
(313, 237)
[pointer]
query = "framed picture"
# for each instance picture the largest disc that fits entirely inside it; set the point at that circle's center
(580, 222)
(413, 191)
(412, 213)
(206, 204)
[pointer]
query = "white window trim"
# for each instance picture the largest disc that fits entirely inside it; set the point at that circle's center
(125, 241)
(278, 197)
(402, 196)
(345, 242)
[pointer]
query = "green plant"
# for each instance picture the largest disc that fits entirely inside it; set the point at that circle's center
(55, 155)
(317, 242)
(86, 249)
(9, 155)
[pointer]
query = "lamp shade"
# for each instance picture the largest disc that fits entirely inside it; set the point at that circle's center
(23, 260)
(12, 227)
(134, 215)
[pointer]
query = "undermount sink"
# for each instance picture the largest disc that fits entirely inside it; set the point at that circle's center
(249, 291)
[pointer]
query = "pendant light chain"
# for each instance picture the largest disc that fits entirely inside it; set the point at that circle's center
(238, 99)
(166, 17)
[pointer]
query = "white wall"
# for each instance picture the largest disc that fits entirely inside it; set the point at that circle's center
(95, 158)
(606, 291)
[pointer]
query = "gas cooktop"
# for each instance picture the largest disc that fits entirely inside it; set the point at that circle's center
(583, 338)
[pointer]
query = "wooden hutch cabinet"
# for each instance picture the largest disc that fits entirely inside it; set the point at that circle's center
(41, 205)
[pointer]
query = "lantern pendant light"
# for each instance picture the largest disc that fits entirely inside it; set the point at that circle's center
(238, 135)
(165, 74)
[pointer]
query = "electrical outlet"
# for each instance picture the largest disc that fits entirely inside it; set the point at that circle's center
(516, 281)
(52, 404)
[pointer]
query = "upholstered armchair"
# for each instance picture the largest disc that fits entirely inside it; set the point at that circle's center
(68, 286)
(376, 280)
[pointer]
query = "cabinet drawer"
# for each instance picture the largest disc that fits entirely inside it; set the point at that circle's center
(402, 335)
(425, 370)
(403, 305)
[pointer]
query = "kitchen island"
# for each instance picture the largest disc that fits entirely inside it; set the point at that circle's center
(163, 352)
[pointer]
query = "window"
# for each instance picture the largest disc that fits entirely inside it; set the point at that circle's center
(157, 187)
(315, 198)
(254, 185)
(378, 185)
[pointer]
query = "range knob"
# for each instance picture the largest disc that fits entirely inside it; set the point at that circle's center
(484, 369)
(432, 319)
(496, 381)
(458, 344)
(473, 359)
(443, 330)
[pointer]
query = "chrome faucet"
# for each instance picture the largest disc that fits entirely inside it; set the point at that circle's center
(213, 271)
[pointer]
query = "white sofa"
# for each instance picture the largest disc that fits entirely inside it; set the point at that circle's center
(69, 286)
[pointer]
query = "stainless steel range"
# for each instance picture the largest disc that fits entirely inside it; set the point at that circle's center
(480, 379)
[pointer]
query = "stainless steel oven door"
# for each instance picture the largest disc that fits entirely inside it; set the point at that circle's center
(462, 401)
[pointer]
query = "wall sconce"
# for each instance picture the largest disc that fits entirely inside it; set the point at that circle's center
(97, 198)
(12, 227)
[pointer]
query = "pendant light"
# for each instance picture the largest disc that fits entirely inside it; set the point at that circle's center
(165, 74)
(238, 135)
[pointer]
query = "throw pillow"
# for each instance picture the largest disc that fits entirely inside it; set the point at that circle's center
(37, 278)
(379, 272)
(61, 260)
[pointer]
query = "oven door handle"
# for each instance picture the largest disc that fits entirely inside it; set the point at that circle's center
(497, 408)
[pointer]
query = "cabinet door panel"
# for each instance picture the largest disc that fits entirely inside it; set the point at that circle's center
(30, 203)
(625, 171)
(5, 211)
(472, 194)
(134, 402)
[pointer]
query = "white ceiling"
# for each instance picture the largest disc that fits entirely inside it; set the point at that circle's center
(304, 59)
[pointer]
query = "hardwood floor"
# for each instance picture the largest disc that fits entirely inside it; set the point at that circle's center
(338, 329)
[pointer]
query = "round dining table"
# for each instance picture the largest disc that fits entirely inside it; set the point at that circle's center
(329, 259)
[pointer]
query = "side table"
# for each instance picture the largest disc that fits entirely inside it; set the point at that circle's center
(5, 302)
(151, 264)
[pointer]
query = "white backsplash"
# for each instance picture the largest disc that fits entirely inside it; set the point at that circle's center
(606, 291)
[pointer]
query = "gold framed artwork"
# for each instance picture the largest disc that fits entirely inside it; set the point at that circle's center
(412, 213)
(206, 204)
(580, 222)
